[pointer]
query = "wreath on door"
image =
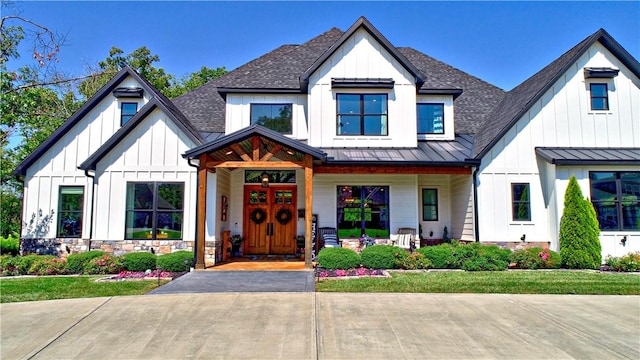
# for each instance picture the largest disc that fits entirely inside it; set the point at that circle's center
(258, 216)
(283, 216)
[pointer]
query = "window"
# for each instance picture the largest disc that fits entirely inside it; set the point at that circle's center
(429, 204)
(70, 203)
(520, 202)
(430, 118)
(599, 97)
(363, 210)
(616, 198)
(362, 114)
(154, 210)
(276, 117)
(275, 176)
(127, 111)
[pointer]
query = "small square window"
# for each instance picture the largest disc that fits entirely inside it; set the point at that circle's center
(599, 97)
(362, 114)
(520, 202)
(430, 118)
(127, 111)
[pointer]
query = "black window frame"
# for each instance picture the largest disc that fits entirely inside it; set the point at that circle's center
(418, 105)
(605, 97)
(290, 105)
(155, 210)
(125, 117)
(605, 224)
(64, 223)
(362, 113)
(433, 205)
(517, 204)
(368, 205)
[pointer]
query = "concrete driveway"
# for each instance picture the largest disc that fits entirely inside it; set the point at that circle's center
(324, 326)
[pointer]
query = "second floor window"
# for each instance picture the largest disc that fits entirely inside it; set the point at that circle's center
(430, 118)
(127, 111)
(599, 97)
(276, 117)
(360, 114)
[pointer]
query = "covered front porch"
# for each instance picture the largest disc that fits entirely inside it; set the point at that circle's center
(254, 186)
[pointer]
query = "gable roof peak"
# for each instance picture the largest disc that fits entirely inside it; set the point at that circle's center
(362, 23)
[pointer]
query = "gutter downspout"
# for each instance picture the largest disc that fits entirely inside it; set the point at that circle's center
(93, 196)
(475, 203)
(195, 235)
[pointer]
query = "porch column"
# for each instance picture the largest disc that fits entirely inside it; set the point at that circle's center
(201, 213)
(308, 209)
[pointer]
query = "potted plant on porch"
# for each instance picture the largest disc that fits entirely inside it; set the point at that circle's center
(236, 243)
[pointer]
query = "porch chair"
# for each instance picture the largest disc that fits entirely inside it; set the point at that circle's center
(407, 238)
(328, 237)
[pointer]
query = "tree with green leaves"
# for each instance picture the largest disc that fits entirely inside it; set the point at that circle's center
(34, 100)
(579, 231)
(143, 61)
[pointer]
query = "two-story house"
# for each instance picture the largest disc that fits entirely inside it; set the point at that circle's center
(350, 132)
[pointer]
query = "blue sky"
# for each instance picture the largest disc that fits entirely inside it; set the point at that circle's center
(500, 42)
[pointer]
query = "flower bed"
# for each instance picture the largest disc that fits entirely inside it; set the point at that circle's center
(140, 275)
(345, 274)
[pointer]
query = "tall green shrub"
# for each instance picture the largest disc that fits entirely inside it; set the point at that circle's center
(579, 243)
(10, 245)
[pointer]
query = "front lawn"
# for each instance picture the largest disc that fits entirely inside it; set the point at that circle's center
(506, 282)
(68, 287)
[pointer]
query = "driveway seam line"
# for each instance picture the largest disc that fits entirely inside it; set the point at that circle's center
(68, 329)
(317, 326)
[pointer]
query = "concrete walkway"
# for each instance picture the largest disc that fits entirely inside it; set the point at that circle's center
(323, 326)
(240, 281)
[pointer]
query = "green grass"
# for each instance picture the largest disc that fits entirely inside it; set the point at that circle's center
(69, 287)
(503, 282)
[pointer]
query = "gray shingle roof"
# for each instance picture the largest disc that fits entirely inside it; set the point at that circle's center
(478, 98)
(589, 156)
(282, 67)
(518, 101)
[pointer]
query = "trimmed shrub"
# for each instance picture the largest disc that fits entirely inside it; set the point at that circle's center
(10, 245)
(49, 266)
(382, 256)
(413, 261)
(535, 258)
(338, 258)
(77, 262)
(26, 262)
(103, 265)
(462, 253)
(9, 265)
(628, 263)
(579, 243)
(439, 256)
(175, 262)
(139, 261)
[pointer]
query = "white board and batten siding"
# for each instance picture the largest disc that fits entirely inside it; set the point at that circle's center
(362, 56)
(238, 111)
(562, 117)
(150, 153)
(58, 166)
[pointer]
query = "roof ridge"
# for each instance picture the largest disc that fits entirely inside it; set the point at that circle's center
(451, 67)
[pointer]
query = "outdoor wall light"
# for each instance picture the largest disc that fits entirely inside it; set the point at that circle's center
(265, 180)
(623, 241)
(523, 237)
